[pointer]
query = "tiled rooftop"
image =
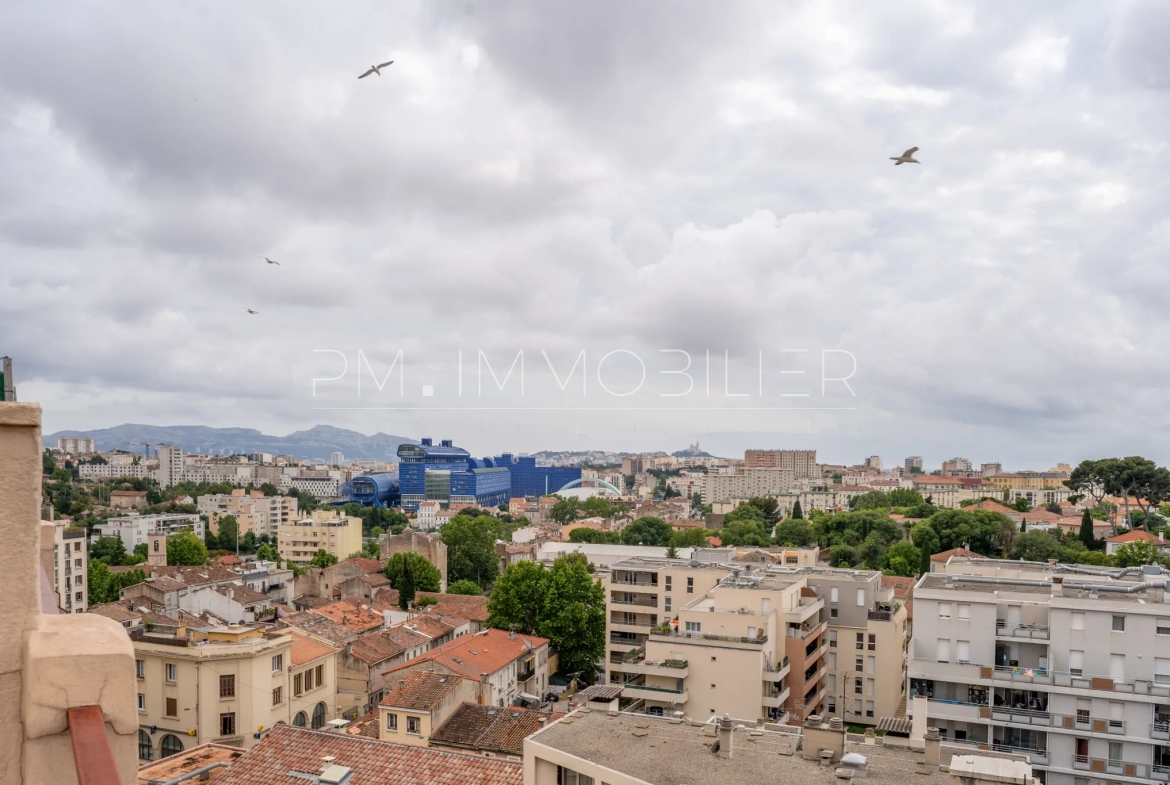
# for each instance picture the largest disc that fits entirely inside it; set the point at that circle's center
(287, 754)
(321, 626)
(422, 691)
(465, 605)
(306, 649)
(359, 619)
(491, 728)
(380, 646)
(484, 652)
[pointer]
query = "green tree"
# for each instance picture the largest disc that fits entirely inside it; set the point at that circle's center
(871, 500)
(424, 575)
(796, 511)
(573, 617)
(517, 599)
(248, 542)
(471, 550)
(843, 556)
(565, 510)
(268, 489)
(268, 552)
(141, 550)
(596, 536)
(405, 585)
(903, 559)
(1135, 554)
(904, 497)
(229, 530)
(922, 510)
(98, 575)
(692, 537)
(185, 549)
(769, 508)
(793, 532)
(744, 531)
(1086, 532)
(1036, 545)
(1054, 508)
(597, 507)
(1021, 504)
(465, 587)
(48, 462)
(647, 531)
(926, 539)
(322, 558)
(377, 531)
(109, 550)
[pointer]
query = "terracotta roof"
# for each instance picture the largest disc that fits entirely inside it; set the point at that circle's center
(945, 555)
(903, 590)
(433, 626)
(1135, 535)
(466, 605)
(165, 584)
(992, 506)
(381, 646)
(356, 619)
(242, 594)
(366, 565)
(366, 726)
(932, 480)
(305, 649)
(491, 728)
(375, 579)
(423, 691)
(188, 761)
(231, 558)
(288, 753)
(310, 601)
(318, 625)
(483, 652)
(118, 610)
(1040, 515)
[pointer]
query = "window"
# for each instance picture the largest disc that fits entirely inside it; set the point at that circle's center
(145, 748)
(77, 562)
(694, 627)
(299, 720)
(77, 596)
(690, 585)
(278, 663)
(227, 724)
(869, 687)
(857, 664)
(944, 650)
(1119, 624)
(668, 583)
(832, 660)
(319, 716)
(297, 685)
(171, 745)
(308, 679)
(860, 641)
(1083, 711)
(831, 682)
(832, 639)
(1161, 670)
(963, 651)
(964, 611)
(1116, 715)
(320, 680)
(857, 707)
(861, 598)
(857, 686)
(278, 696)
(832, 613)
(141, 702)
(412, 725)
(570, 777)
(172, 672)
(1117, 666)
(1076, 662)
(832, 705)
(1115, 750)
(944, 610)
(869, 708)
(172, 707)
(1163, 627)
(392, 722)
(227, 687)
(872, 642)
(140, 668)
(870, 664)
(668, 604)
(833, 595)
(1078, 621)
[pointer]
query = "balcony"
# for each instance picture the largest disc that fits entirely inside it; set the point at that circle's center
(1160, 730)
(956, 710)
(1036, 632)
(1021, 716)
(632, 584)
(644, 602)
(1025, 675)
(1124, 768)
(775, 700)
(658, 694)
(805, 630)
(962, 672)
(678, 669)
(1035, 754)
(703, 637)
(1083, 722)
(773, 673)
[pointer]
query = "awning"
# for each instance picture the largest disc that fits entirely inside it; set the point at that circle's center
(899, 725)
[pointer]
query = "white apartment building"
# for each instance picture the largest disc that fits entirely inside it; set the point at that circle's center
(913, 462)
(746, 483)
(111, 470)
(133, 529)
(320, 487)
(687, 484)
(70, 567)
(75, 445)
(874, 462)
(170, 466)
(426, 514)
(1066, 663)
(336, 459)
(252, 510)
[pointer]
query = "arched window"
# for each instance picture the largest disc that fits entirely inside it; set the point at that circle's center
(145, 746)
(319, 716)
(299, 720)
(171, 745)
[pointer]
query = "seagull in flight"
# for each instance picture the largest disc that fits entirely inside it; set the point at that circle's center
(906, 157)
(249, 310)
(265, 258)
(375, 69)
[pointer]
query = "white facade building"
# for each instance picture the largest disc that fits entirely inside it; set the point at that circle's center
(70, 567)
(170, 466)
(133, 529)
(75, 445)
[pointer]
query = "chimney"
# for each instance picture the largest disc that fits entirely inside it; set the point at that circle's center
(933, 742)
(725, 733)
(402, 684)
(844, 776)
(819, 739)
(542, 721)
(870, 736)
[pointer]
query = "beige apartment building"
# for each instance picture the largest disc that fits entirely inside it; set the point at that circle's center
(225, 685)
(803, 463)
(747, 482)
(1068, 664)
(253, 511)
(327, 530)
(70, 567)
(754, 640)
(1030, 481)
(419, 703)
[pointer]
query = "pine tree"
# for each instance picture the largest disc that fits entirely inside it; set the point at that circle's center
(672, 552)
(406, 589)
(1086, 533)
(796, 511)
(924, 564)
(1023, 525)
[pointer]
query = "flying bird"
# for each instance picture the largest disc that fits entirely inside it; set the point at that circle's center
(906, 157)
(249, 310)
(265, 258)
(375, 69)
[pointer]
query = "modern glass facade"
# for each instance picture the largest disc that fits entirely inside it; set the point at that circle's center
(447, 473)
(528, 479)
(379, 490)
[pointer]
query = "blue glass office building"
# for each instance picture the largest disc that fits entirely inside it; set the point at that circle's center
(528, 479)
(377, 490)
(447, 474)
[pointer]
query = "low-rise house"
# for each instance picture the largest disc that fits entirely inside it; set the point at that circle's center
(312, 680)
(470, 607)
(511, 554)
(364, 660)
(234, 602)
(421, 702)
(128, 500)
(490, 731)
(1137, 535)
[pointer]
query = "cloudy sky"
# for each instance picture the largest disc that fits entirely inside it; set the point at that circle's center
(616, 178)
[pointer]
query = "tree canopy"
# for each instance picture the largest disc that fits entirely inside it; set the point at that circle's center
(1036, 545)
(425, 575)
(648, 531)
(106, 586)
(109, 550)
(322, 558)
(471, 549)
(595, 536)
(794, 531)
(465, 587)
(903, 558)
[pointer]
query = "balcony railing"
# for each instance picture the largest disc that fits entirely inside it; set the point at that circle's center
(1030, 631)
(1036, 754)
(1093, 724)
(778, 667)
(639, 584)
(1122, 767)
(1160, 730)
(640, 601)
(658, 632)
(804, 630)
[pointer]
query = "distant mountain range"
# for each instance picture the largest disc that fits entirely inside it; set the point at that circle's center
(319, 442)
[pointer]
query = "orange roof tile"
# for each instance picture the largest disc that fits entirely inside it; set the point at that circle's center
(961, 552)
(423, 691)
(357, 619)
(306, 649)
(1135, 535)
(289, 753)
(491, 728)
(483, 652)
